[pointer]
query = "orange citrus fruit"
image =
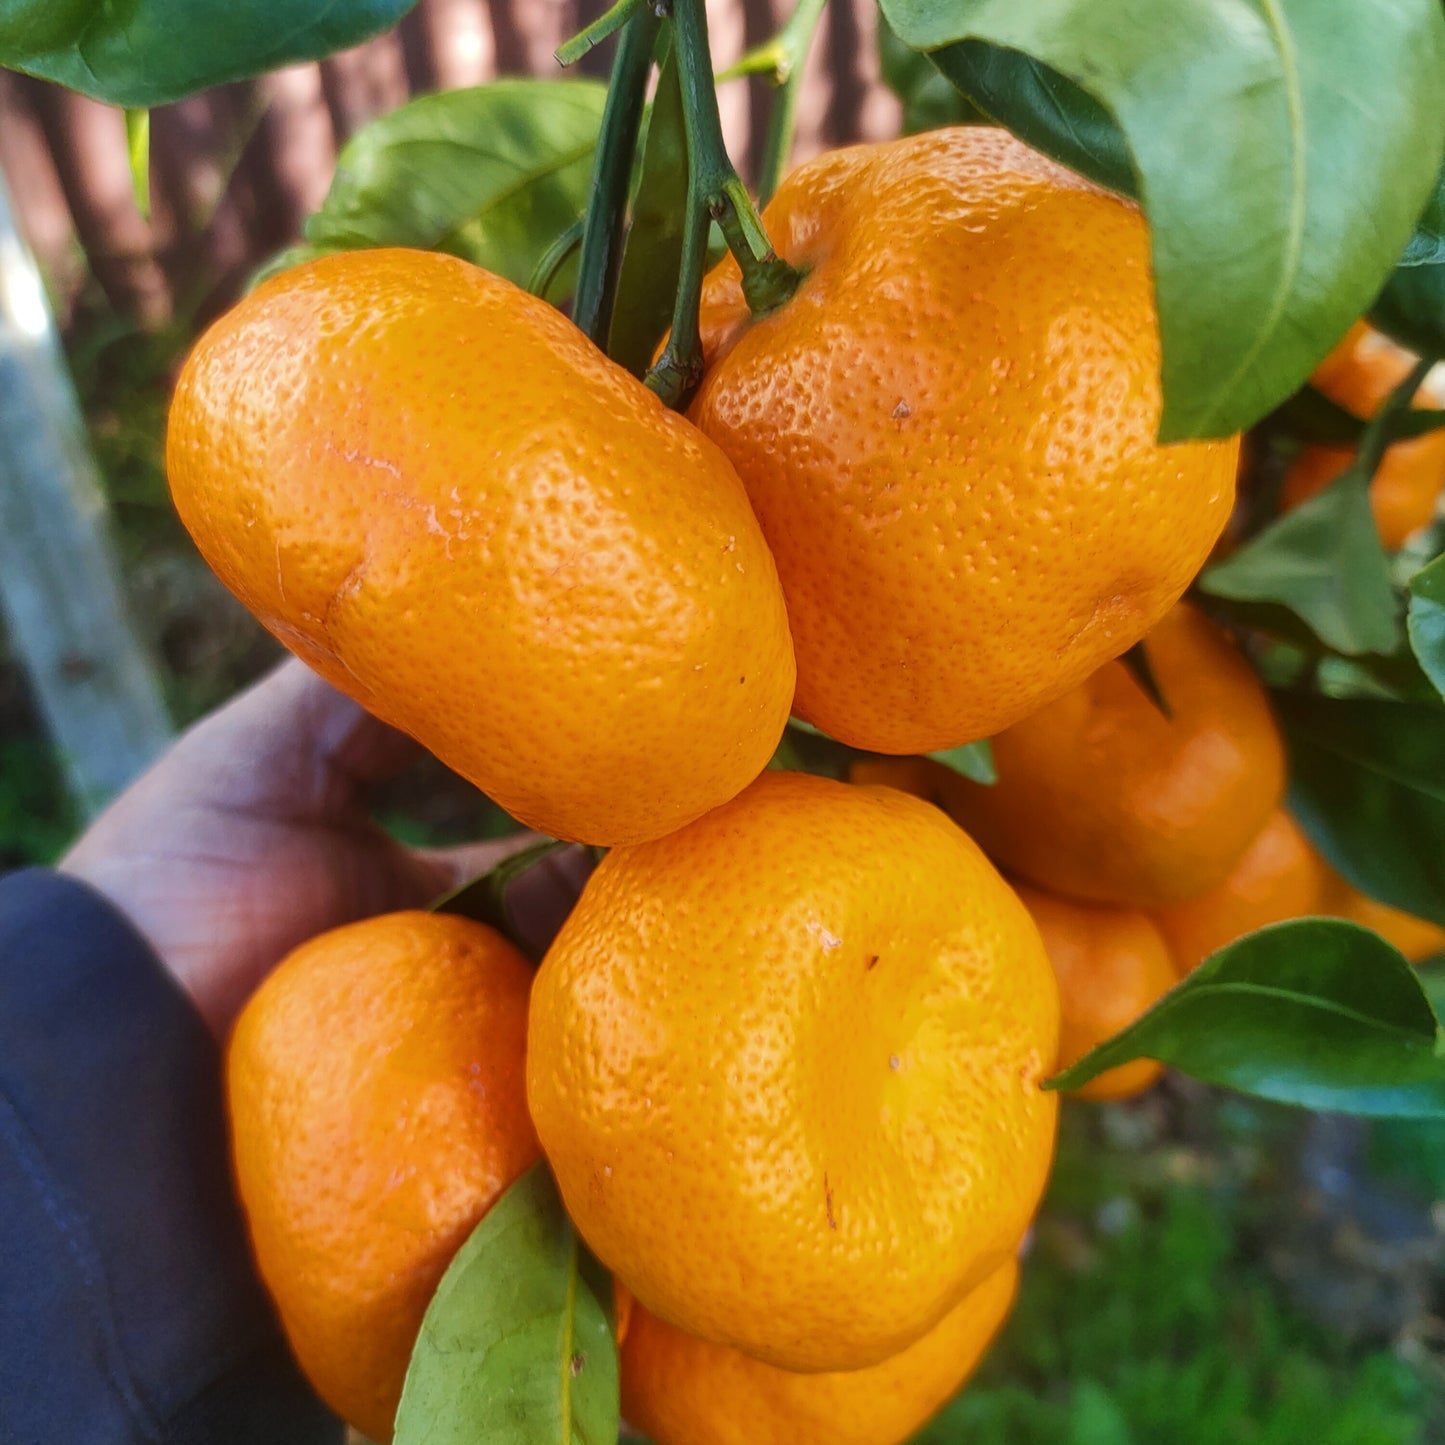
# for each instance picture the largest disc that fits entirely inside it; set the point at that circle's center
(376, 1084)
(948, 434)
(680, 1390)
(1359, 374)
(1112, 965)
(1278, 877)
(438, 492)
(785, 1065)
(1101, 796)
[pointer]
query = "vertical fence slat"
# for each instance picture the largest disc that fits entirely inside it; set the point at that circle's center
(59, 592)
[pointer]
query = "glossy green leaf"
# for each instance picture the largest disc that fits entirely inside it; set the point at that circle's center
(1367, 783)
(484, 899)
(515, 1348)
(973, 760)
(1284, 150)
(493, 174)
(146, 52)
(652, 254)
(1324, 564)
(1318, 1012)
(1426, 621)
(1412, 305)
(1042, 107)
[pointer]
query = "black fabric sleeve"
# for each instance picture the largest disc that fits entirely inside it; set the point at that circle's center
(128, 1307)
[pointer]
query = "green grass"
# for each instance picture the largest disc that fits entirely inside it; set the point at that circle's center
(1145, 1318)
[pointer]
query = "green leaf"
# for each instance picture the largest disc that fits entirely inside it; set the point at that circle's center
(515, 1348)
(652, 254)
(1324, 563)
(1044, 108)
(138, 153)
(973, 760)
(493, 174)
(1318, 1012)
(484, 899)
(1411, 308)
(1367, 783)
(1325, 126)
(144, 53)
(1426, 621)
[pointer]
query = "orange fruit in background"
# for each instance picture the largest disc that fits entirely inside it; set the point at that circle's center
(948, 435)
(1359, 374)
(785, 1065)
(680, 1390)
(1100, 796)
(436, 490)
(1278, 877)
(1417, 938)
(376, 1086)
(1112, 965)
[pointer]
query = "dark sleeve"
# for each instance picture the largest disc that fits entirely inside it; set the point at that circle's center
(128, 1308)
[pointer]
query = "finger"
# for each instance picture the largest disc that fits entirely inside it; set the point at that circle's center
(293, 746)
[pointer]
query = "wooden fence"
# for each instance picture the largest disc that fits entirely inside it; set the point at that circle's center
(235, 170)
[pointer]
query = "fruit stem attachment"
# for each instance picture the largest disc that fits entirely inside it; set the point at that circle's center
(715, 192)
(601, 258)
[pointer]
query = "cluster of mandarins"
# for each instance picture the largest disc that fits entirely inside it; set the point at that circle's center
(785, 1057)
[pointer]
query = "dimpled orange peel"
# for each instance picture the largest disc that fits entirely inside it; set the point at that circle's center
(786, 1067)
(1112, 965)
(683, 1391)
(948, 434)
(1278, 877)
(376, 1090)
(436, 490)
(1103, 797)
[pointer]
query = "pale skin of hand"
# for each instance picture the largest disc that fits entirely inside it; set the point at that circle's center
(252, 834)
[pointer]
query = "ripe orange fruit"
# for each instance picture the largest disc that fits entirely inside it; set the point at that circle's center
(1102, 797)
(376, 1089)
(1112, 965)
(438, 492)
(949, 436)
(1359, 374)
(680, 1390)
(1417, 938)
(785, 1065)
(1278, 877)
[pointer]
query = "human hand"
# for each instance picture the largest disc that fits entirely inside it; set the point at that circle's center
(252, 834)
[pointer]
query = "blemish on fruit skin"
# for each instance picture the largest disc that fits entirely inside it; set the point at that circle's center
(830, 941)
(828, 1203)
(871, 963)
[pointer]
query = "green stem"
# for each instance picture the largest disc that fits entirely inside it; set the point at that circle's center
(612, 174)
(789, 52)
(553, 259)
(571, 51)
(715, 192)
(1379, 434)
